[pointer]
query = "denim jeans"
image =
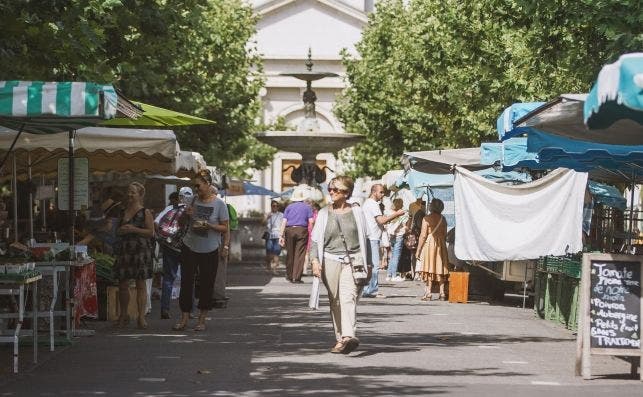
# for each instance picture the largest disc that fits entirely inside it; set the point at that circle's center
(396, 253)
(373, 250)
(273, 247)
(170, 268)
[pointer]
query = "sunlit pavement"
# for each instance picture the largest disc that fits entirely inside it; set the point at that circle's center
(269, 343)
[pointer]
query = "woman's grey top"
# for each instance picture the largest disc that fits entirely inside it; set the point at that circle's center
(332, 239)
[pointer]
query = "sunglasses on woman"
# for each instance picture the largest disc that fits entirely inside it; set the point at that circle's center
(335, 190)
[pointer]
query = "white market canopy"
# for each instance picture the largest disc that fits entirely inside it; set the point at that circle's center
(443, 161)
(108, 149)
(189, 163)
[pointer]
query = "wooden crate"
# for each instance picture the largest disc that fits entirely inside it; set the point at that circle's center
(458, 287)
(113, 307)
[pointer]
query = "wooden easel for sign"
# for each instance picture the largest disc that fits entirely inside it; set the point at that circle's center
(610, 313)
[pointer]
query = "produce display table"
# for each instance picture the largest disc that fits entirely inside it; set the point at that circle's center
(15, 284)
(84, 300)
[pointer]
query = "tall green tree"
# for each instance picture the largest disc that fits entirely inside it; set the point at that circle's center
(194, 56)
(436, 73)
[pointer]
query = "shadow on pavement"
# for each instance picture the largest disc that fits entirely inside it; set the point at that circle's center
(265, 343)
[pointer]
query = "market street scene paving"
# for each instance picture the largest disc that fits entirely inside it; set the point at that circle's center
(268, 342)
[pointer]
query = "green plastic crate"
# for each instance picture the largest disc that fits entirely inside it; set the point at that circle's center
(567, 304)
(551, 296)
(572, 268)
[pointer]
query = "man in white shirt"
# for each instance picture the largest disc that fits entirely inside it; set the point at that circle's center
(375, 221)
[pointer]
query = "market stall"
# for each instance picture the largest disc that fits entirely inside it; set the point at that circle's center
(48, 108)
(431, 173)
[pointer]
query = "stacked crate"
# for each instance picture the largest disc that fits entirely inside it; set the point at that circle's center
(557, 289)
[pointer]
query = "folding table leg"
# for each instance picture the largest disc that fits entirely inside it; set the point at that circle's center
(16, 333)
(34, 321)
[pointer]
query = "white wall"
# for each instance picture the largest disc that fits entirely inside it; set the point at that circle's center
(288, 31)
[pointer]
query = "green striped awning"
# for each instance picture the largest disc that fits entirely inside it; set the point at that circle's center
(48, 107)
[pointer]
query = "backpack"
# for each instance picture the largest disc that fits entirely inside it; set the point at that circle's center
(234, 218)
(170, 233)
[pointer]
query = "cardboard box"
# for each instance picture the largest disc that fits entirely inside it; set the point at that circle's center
(113, 306)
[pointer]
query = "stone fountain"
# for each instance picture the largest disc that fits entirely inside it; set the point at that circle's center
(308, 140)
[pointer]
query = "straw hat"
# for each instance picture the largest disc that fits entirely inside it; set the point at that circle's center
(300, 193)
(109, 205)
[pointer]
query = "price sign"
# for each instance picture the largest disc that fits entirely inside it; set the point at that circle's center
(610, 311)
(81, 183)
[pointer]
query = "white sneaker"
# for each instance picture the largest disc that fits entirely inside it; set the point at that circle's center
(388, 278)
(397, 279)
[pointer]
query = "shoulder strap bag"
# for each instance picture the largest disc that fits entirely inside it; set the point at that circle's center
(360, 275)
(432, 231)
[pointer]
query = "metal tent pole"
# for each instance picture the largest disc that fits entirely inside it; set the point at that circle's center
(72, 213)
(14, 189)
(43, 206)
(629, 234)
(31, 238)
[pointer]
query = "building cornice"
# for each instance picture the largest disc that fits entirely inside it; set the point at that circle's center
(273, 5)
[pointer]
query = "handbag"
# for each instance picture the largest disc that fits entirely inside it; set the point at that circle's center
(174, 242)
(265, 235)
(359, 272)
(171, 234)
(411, 240)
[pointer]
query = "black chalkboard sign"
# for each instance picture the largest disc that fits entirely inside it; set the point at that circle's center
(610, 309)
(615, 304)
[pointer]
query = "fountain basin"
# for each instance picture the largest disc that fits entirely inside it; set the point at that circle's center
(309, 144)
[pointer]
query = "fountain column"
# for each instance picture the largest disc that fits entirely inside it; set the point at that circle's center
(309, 140)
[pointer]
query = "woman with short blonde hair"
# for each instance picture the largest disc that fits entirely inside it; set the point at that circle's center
(339, 241)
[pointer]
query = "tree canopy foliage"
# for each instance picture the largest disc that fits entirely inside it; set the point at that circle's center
(437, 73)
(193, 56)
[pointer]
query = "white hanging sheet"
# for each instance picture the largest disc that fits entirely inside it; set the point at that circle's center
(498, 222)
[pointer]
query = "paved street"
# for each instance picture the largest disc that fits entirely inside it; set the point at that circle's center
(267, 342)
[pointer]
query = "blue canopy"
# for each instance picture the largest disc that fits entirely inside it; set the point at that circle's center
(551, 147)
(418, 181)
(617, 93)
(511, 154)
(505, 123)
(617, 162)
(249, 189)
(564, 116)
(607, 195)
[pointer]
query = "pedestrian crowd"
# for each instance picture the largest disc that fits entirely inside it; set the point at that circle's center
(345, 244)
(190, 236)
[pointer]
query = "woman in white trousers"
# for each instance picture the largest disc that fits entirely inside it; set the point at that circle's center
(340, 233)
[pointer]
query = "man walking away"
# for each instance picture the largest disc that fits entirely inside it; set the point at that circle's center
(294, 233)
